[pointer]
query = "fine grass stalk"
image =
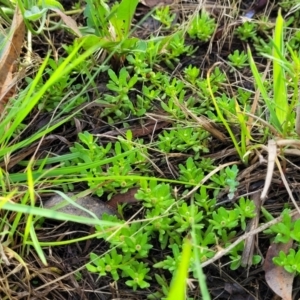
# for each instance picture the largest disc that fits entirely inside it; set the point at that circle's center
(279, 86)
(178, 286)
(241, 152)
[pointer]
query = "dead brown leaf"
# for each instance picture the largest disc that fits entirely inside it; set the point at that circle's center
(127, 197)
(68, 21)
(278, 279)
(9, 56)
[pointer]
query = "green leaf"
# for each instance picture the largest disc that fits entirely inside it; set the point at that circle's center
(122, 15)
(259, 82)
(178, 285)
(91, 268)
(35, 13)
(112, 75)
(279, 83)
(50, 4)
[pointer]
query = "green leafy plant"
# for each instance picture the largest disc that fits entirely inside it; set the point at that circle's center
(89, 151)
(191, 74)
(287, 5)
(33, 12)
(285, 231)
(115, 263)
(121, 86)
(294, 42)
(172, 225)
(224, 219)
(217, 78)
(191, 172)
(187, 215)
(133, 242)
(246, 210)
(263, 47)
(163, 15)
(171, 262)
(176, 46)
(289, 261)
(166, 219)
(246, 31)
(227, 178)
(110, 26)
(202, 27)
(139, 62)
(280, 109)
(13, 122)
(156, 196)
(238, 59)
(183, 139)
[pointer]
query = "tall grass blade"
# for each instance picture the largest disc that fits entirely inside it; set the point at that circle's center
(260, 85)
(224, 121)
(178, 286)
(279, 85)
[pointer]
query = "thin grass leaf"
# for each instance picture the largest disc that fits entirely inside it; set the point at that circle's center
(21, 108)
(51, 214)
(68, 200)
(122, 16)
(295, 70)
(37, 246)
(259, 82)
(178, 286)
(30, 100)
(18, 217)
(5, 199)
(29, 219)
(279, 85)
(224, 121)
(245, 135)
(200, 274)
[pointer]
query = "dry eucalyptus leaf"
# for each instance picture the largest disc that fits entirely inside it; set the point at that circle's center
(68, 21)
(9, 55)
(277, 278)
(153, 3)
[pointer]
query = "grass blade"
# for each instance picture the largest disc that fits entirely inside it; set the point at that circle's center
(178, 286)
(259, 82)
(279, 85)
